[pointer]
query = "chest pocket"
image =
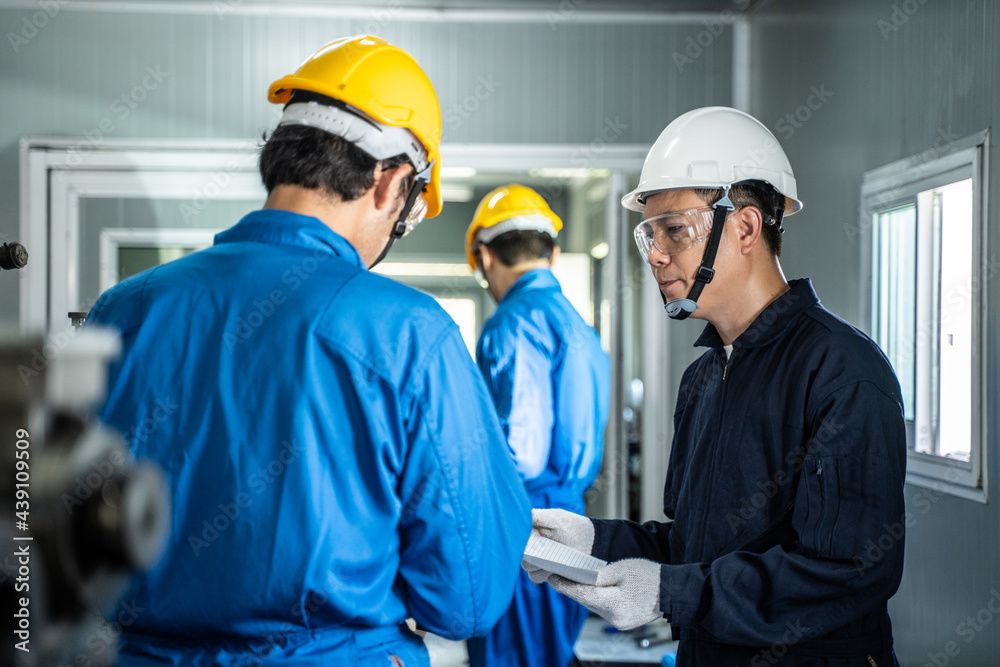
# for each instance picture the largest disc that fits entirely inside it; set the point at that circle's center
(836, 507)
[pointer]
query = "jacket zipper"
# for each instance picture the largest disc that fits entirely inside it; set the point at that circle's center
(715, 449)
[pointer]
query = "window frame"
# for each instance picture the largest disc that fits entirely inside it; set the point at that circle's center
(895, 185)
(113, 239)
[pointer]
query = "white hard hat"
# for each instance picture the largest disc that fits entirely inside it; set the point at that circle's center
(710, 148)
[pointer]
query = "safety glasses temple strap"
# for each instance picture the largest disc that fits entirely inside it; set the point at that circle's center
(419, 183)
(705, 271)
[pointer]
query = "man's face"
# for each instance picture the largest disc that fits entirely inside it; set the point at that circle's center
(376, 234)
(675, 273)
(387, 203)
(487, 265)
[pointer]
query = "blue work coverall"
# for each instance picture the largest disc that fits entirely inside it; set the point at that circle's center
(785, 487)
(551, 383)
(335, 460)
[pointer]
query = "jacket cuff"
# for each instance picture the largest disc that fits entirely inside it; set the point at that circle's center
(603, 534)
(681, 588)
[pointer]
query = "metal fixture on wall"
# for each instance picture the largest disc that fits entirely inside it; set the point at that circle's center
(13, 256)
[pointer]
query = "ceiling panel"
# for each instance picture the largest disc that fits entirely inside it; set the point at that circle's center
(561, 6)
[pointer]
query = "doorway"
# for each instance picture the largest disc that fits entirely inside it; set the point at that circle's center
(91, 216)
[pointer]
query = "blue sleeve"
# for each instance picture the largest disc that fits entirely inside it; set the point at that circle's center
(845, 556)
(465, 517)
(519, 377)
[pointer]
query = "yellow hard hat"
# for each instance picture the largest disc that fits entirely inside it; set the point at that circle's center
(515, 206)
(382, 81)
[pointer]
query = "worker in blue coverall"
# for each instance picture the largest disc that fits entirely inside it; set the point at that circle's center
(551, 383)
(789, 446)
(336, 463)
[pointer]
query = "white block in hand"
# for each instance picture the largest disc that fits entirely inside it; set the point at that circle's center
(560, 559)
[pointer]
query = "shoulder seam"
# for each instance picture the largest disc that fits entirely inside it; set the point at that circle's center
(361, 361)
(460, 519)
(850, 383)
(419, 400)
(140, 315)
(422, 363)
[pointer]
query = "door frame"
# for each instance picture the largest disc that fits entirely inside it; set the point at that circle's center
(56, 172)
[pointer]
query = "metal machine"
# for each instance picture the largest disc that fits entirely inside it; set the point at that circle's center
(77, 515)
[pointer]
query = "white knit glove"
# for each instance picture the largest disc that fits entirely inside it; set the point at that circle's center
(574, 530)
(535, 573)
(627, 593)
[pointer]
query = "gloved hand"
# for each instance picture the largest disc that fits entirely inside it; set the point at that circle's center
(627, 593)
(535, 573)
(573, 530)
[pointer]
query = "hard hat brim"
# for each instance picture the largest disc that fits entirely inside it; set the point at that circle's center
(633, 201)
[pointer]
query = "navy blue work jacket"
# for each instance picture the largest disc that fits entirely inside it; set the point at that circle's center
(785, 490)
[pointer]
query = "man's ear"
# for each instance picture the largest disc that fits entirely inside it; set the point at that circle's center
(485, 258)
(555, 255)
(749, 226)
(387, 184)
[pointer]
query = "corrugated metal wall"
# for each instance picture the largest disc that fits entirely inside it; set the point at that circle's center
(205, 76)
(897, 76)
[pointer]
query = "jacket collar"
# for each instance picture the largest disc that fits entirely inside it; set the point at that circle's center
(287, 228)
(772, 320)
(536, 279)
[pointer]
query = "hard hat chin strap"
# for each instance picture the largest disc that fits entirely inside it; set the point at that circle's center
(385, 251)
(680, 309)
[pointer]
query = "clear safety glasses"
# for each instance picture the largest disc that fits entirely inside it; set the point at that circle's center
(416, 214)
(673, 233)
(415, 207)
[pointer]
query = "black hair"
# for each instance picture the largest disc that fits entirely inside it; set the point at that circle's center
(765, 198)
(317, 160)
(520, 245)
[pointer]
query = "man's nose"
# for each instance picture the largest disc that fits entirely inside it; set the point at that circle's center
(657, 258)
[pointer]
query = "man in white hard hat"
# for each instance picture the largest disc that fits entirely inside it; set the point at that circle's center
(789, 446)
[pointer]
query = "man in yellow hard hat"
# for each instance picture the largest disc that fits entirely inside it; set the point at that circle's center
(551, 383)
(336, 462)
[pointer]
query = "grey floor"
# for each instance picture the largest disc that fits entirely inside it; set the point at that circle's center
(594, 644)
